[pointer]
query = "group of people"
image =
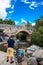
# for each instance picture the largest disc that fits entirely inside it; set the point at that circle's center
(10, 51)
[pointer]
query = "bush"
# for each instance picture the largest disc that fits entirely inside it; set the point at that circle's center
(2, 47)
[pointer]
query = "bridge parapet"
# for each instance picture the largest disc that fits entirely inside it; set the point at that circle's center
(11, 29)
(28, 31)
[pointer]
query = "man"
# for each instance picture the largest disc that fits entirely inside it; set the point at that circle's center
(10, 49)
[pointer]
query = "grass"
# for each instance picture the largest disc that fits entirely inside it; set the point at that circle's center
(2, 47)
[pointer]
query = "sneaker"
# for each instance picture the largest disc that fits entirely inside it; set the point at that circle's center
(7, 60)
(11, 62)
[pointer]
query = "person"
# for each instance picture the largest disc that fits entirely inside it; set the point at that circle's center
(10, 49)
(17, 51)
(3, 35)
(20, 56)
(26, 53)
(22, 52)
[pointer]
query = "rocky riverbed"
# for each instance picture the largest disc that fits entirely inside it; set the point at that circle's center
(37, 53)
(3, 59)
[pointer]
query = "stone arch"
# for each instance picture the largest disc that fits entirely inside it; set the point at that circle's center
(27, 31)
(27, 34)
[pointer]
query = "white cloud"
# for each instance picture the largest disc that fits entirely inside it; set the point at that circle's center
(3, 5)
(25, 1)
(22, 20)
(35, 4)
(30, 22)
(16, 22)
(42, 3)
(12, 7)
(31, 7)
(11, 12)
(33, 24)
(32, 4)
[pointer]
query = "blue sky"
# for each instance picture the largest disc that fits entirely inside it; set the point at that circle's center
(21, 10)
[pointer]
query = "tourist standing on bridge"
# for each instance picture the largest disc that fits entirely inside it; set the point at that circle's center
(10, 49)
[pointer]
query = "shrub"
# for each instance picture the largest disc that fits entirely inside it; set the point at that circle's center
(2, 47)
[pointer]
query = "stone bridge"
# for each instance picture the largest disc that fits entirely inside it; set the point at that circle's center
(14, 30)
(11, 29)
(24, 30)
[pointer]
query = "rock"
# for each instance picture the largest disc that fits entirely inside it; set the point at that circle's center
(2, 56)
(38, 53)
(41, 63)
(33, 48)
(3, 59)
(24, 62)
(32, 61)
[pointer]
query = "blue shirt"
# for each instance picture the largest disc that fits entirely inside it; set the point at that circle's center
(10, 43)
(22, 52)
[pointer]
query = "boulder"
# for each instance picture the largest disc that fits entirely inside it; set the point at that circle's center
(41, 63)
(32, 61)
(38, 53)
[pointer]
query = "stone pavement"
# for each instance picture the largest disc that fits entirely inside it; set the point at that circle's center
(24, 62)
(3, 59)
(3, 42)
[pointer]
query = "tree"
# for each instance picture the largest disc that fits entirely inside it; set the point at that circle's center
(39, 22)
(28, 25)
(1, 21)
(11, 22)
(37, 35)
(7, 21)
(19, 35)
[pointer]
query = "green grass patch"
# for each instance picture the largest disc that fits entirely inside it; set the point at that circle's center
(2, 47)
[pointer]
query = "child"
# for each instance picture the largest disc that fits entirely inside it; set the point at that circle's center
(26, 53)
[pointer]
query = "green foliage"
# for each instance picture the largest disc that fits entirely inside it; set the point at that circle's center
(29, 24)
(19, 35)
(7, 21)
(39, 22)
(22, 36)
(1, 21)
(2, 47)
(37, 35)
